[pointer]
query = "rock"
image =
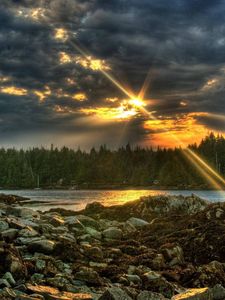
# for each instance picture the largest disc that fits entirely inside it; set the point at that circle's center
(113, 233)
(94, 253)
(9, 234)
(89, 276)
(51, 293)
(3, 225)
(43, 246)
(158, 262)
(173, 254)
(8, 276)
(194, 294)
(94, 233)
(22, 212)
(115, 293)
(40, 264)
(94, 207)
(7, 294)
(4, 283)
(156, 283)
(56, 221)
(28, 232)
(135, 279)
(147, 295)
(218, 292)
(88, 221)
(136, 222)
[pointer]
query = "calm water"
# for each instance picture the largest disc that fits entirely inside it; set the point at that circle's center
(76, 200)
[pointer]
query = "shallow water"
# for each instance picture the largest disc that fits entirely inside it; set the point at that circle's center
(77, 199)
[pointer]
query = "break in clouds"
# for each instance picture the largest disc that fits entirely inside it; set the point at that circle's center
(50, 92)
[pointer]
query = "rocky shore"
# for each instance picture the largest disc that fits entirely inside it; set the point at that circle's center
(155, 248)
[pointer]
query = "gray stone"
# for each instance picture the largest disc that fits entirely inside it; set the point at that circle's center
(43, 246)
(9, 234)
(3, 225)
(147, 295)
(28, 232)
(136, 222)
(4, 283)
(40, 264)
(218, 292)
(94, 233)
(8, 276)
(135, 279)
(115, 293)
(113, 233)
(195, 294)
(22, 212)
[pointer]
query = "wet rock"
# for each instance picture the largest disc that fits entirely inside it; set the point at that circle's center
(56, 221)
(173, 254)
(94, 253)
(3, 225)
(136, 222)
(93, 207)
(93, 233)
(146, 295)
(8, 276)
(115, 293)
(194, 294)
(89, 276)
(40, 264)
(43, 246)
(9, 234)
(135, 279)
(51, 293)
(113, 233)
(209, 275)
(28, 232)
(7, 294)
(158, 262)
(218, 292)
(22, 212)
(4, 283)
(156, 283)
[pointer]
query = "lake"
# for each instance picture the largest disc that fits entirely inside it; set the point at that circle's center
(77, 199)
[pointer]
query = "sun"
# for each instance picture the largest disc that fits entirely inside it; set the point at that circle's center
(137, 102)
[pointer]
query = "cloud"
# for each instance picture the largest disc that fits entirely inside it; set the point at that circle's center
(46, 83)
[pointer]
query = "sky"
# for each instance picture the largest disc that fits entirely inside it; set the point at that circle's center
(82, 73)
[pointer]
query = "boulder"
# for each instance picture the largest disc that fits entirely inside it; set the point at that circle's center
(147, 295)
(218, 292)
(9, 234)
(194, 294)
(3, 225)
(94, 253)
(115, 293)
(157, 283)
(22, 212)
(173, 254)
(94, 233)
(137, 223)
(28, 232)
(113, 233)
(43, 246)
(51, 293)
(89, 276)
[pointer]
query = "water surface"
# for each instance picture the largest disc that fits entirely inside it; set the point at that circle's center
(77, 199)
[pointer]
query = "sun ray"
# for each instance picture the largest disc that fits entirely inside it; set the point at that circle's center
(145, 85)
(204, 174)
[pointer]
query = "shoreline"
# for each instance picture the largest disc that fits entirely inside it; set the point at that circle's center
(156, 248)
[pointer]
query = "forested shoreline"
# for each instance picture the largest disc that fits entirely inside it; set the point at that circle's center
(127, 166)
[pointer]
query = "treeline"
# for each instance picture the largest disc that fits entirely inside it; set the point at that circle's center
(126, 166)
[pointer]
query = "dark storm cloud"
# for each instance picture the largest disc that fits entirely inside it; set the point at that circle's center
(181, 42)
